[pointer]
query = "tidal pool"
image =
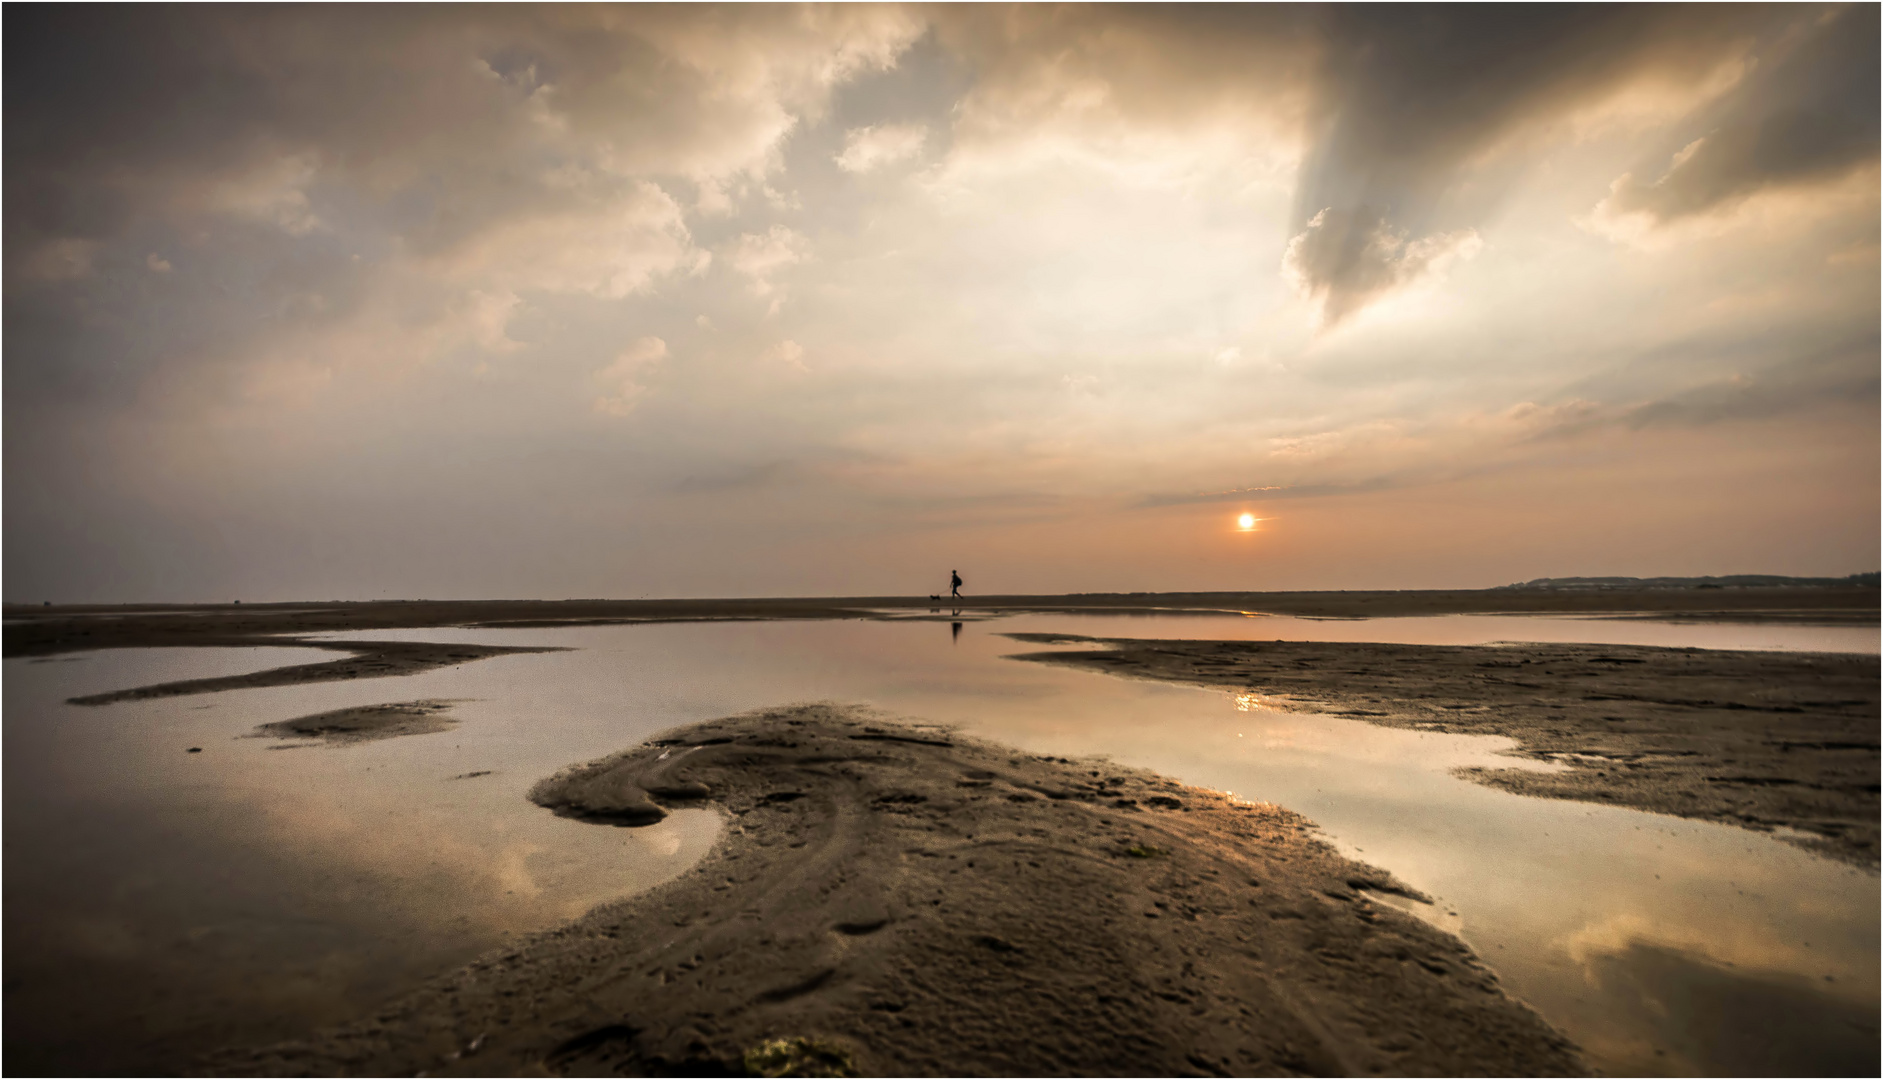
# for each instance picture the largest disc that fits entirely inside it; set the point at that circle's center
(159, 903)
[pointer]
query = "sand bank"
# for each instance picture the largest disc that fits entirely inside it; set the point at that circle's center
(364, 723)
(1760, 740)
(365, 660)
(897, 899)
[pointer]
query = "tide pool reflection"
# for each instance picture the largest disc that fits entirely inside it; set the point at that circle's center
(1712, 1019)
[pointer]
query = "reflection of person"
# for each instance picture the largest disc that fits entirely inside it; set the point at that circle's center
(954, 584)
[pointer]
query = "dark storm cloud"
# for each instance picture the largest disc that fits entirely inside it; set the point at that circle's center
(1809, 111)
(1409, 96)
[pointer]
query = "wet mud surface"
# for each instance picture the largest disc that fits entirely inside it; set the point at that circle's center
(897, 899)
(366, 660)
(1765, 741)
(364, 723)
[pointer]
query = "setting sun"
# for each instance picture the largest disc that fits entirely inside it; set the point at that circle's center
(1246, 522)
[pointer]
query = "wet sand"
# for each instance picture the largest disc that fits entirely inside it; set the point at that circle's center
(1092, 928)
(363, 723)
(367, 660)
(898, 899)
(1765, 741)
(44, 631)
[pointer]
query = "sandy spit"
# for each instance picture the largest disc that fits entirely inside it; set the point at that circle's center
(897, 899)
(365, 660)
(1760, 740)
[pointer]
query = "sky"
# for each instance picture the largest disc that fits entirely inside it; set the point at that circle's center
(538, 302)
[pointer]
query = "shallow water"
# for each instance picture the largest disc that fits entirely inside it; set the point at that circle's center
(160, 902)
(1661, 945)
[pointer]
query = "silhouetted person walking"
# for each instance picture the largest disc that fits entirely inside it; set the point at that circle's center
(954, 585)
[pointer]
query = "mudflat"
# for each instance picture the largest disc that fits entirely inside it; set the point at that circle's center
(895, 899)
(1765, 741)
(46, 630)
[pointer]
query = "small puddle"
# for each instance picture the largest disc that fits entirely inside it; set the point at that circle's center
(271, 890)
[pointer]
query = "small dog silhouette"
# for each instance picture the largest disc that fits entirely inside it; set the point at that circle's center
(933, 597)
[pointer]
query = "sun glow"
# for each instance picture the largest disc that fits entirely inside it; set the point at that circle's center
(1247, 522)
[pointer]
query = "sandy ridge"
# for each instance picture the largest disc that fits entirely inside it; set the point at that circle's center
(914, 902)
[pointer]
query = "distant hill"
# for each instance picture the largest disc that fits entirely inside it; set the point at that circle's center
(1730, 581)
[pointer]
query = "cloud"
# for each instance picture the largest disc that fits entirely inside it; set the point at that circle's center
(760, 256)
(1421, 117)
(1808, 386)
(787, 355)
(1424, 449)
(1406, 125)
(273, 191)
(620, 382)
(66, 259)
(745, 478)
(431, 158)
(1157, 96)
(1346, 257)
(1807, 114)
(1839, 376)
(1102, 75)
(408, 242)
(1306, 447)
(1267, 492)
(869, 148)
(608, 245)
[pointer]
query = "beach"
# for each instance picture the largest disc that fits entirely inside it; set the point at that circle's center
(888, 895)
(899, 900)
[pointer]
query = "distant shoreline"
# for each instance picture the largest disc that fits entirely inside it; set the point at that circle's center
(46, 630)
